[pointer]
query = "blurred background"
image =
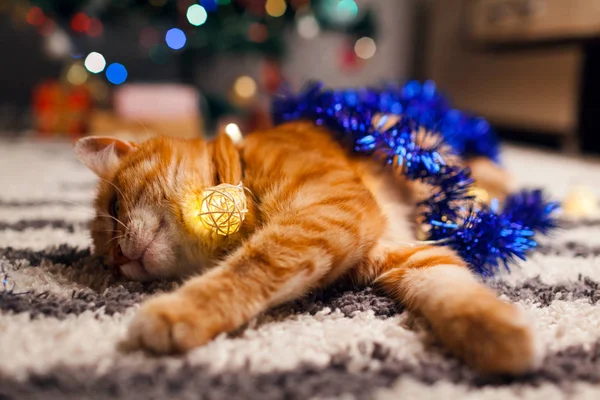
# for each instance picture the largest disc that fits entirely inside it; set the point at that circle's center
(189, 67)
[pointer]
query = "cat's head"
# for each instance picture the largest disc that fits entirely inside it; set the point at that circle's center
(139, 225)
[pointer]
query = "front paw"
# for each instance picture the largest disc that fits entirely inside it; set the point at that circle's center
(169, 324)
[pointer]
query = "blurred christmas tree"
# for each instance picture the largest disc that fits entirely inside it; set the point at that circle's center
(196, 31)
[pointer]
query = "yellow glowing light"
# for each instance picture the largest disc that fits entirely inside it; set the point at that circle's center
(275, 8)
(77, 75)
(245, 87)
(365, 48)
(223, 208)
(234, 132)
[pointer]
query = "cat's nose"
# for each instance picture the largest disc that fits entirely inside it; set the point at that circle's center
(118, 258)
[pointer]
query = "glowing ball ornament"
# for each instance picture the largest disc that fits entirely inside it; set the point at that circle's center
(221, 210)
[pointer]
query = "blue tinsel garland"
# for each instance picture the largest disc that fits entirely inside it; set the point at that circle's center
(484, 237)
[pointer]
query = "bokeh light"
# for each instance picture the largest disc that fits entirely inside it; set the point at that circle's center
(209, 5)
(245, 87)
(347, 10)
(35, 16)
(340, 12)
(275, 8)
(96, 27)
(95, 62)
(80, 22)
(77, 75)
(365, 48)
(258, 32)
(234, 132)
(58, 44)
(196, 15)
(116, 73)
(308, 27)
(175, 38)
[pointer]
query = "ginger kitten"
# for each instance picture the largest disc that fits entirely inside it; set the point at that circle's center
(316, 213)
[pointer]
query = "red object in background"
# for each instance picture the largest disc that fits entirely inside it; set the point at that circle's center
(61, 109)
(349, 61)
(272, 76)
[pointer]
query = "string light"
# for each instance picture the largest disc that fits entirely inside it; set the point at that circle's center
(275, 8)
(233, 131)
(116, 73)
(245, 87)
(196, 15)
(308, 27)
(95, 62)
(365, 48)
(175, 38)
(220, 210)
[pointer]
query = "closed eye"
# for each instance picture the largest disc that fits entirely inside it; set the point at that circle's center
(114, 207)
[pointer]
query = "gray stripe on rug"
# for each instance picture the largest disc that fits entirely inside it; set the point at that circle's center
(344, 297)
(38, 203)
(63, 254)
(338, 377)
(24, 224)
(117, 299)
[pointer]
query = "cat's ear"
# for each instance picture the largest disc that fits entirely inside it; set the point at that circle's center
(102, 154)
(226, 159)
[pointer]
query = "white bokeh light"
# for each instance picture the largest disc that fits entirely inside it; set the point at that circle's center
(95, 63)
(365, 48)
(308, 27)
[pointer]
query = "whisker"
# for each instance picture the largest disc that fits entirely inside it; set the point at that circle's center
(113, 218)
(116, 237)
(118, 190)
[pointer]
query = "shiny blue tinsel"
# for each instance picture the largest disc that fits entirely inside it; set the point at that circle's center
(469, 136)
(485, 238)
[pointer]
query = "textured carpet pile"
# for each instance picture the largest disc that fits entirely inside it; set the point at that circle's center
(62, 314)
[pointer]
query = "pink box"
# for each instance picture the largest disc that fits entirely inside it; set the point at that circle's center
(149, 102)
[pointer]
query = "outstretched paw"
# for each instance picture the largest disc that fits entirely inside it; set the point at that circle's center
(169, 324)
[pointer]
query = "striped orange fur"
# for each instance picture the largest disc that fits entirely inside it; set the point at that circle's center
(316, 213)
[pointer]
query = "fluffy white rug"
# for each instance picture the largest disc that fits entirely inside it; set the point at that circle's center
(60, 325)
